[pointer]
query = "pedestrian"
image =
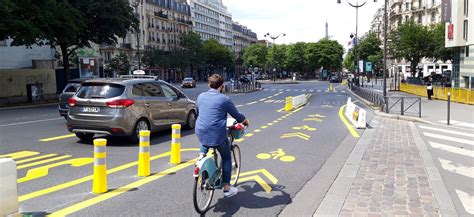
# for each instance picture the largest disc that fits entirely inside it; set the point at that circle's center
(429, 88)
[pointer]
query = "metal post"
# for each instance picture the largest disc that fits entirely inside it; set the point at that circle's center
(402, 106)
(449, 108)
(385, 49)
(419, 109)
(386, 105)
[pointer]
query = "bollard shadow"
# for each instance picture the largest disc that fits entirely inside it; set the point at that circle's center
(246, 198)
(34, 214)
(156, 137)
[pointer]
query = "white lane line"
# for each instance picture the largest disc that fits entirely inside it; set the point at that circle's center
(29, 122)
(452, 149)
(343, 91)
(380, 91)
(280, 89)
(466, 200)
(447, 131)
(296, 90)
(311, 90)
(449, 138)
(458, 123)
(304, 90)
(274, 89)
(457, 168)
(319, 91)
(288, 89)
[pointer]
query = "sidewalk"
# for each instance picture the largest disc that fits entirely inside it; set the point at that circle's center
(390, 172)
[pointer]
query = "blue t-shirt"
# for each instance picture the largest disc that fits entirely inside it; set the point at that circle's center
(212, 109)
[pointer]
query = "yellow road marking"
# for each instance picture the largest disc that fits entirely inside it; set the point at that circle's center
(121, 190)
(43, 162)
(239, 140)
(264, 127)
(259, 180)
(57, 137)
(257, 130)
(275, 122)
(264, 172)
(34, 158)
(44, 170)
(297, 109)
(88, 178)
(281, 110)
(299, 135)
(20, 154)
(313, 119)
(248, 134)
(270, 124)
(348, 126)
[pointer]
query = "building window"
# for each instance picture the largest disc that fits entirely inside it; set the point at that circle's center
(466, 8)
(465, 30)
(3, 43)
(407, 6)
(433, 17)
(420, 19)
(467, 51)
(406, 18)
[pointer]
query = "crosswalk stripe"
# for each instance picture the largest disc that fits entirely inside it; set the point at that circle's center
(304, 90)
(343, 91)
(452, 149)
(311, 90)
(466, 200)
(288, 89)
(273, 89)
(449, 138)
(295, 90)
(319, 91)
(458, 123)
(447, 131)
(458, 169)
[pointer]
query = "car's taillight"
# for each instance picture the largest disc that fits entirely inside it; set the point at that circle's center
(120, 103)
(71, 102)
(196, 170)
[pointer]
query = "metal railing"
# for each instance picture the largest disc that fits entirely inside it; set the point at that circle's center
(237, 87)
(375, 98)
(403, 105)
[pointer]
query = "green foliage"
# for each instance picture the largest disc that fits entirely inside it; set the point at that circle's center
(192, 45)
(256, 56)
(438, 51)
(69, 24)
(329, 54)
(412, 42)
(217, 55)
(368, 45)
(276, 56)
(120, 64)
(296, 56)
(349, 61)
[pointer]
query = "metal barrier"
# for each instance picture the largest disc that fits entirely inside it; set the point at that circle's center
(371, 96)
(408, 105)
(242, 88)
(460, 95)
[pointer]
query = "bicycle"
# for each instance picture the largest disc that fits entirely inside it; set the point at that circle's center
(208, 171)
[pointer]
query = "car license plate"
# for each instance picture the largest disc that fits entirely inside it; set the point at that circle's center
(91, 109)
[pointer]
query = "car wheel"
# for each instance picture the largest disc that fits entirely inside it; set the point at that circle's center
(85, 136)
(141, 124)
(191, 121)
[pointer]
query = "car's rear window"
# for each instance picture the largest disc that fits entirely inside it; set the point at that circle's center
(71, 87)
(100, 91)
(188, 79)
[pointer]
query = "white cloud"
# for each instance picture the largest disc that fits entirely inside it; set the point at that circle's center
(302, 20)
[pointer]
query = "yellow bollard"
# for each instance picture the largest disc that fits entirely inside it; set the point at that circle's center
(175, 144)
(144, 154)
(331, 89)
(99, 183)
(289, 103)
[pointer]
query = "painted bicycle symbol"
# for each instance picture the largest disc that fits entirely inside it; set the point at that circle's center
(279, 153)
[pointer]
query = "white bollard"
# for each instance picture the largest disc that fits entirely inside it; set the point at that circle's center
(8, 187)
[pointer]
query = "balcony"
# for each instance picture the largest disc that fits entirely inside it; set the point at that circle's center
(126, 45)
(160, 14)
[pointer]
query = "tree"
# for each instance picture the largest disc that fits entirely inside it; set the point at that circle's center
(217, 55)
(312, 56)
(192, 45)
(349, 62)
(120, 64)
(70, 25)
(329, 54)
(412, 42)
(368, 45)
(438, 51)
(296, 57)
(256, 55)
(276, 56)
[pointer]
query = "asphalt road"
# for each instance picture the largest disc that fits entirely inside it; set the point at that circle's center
(54, 168)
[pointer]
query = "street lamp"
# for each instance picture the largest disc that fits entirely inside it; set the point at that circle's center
(135, 4)
(357, 6)
(274, 37)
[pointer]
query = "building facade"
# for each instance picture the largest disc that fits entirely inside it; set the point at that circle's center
(17, 57)
(161, 24)
(243, 37)
(424, 12)
(376, 26)
(460, 36)
(211, 20)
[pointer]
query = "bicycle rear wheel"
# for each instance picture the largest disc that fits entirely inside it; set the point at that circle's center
(202, 193)
(236, 165)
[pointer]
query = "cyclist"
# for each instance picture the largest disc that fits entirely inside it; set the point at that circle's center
(212, 108)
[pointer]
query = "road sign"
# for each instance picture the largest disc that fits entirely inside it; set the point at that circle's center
(368, 66)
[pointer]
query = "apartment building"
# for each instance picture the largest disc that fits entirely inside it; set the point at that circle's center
(161, 23)
(376, 26)
(425, 12)
(460, 36)
(212, 20)
(243, 37)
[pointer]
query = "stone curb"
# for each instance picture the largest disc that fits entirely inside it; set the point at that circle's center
(28, 106)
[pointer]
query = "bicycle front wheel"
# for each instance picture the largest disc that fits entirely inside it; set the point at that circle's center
(202, 194)
(236, 165)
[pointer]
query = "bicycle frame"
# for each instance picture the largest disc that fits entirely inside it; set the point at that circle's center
(208, 165)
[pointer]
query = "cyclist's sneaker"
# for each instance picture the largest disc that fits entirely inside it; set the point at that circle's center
(231, 192)
(201, 156)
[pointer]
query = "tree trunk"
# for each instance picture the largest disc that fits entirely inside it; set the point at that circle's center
(413, 68)
(65, 56)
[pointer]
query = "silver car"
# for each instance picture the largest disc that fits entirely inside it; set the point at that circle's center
(71, 88)
(123, 107)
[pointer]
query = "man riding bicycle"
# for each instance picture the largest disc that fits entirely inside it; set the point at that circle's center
(212, 108)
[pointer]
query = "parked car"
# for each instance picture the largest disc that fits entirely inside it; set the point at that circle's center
(244, 80)
(123, 107)
(188, 82)
(71, 88)
(335, 79)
